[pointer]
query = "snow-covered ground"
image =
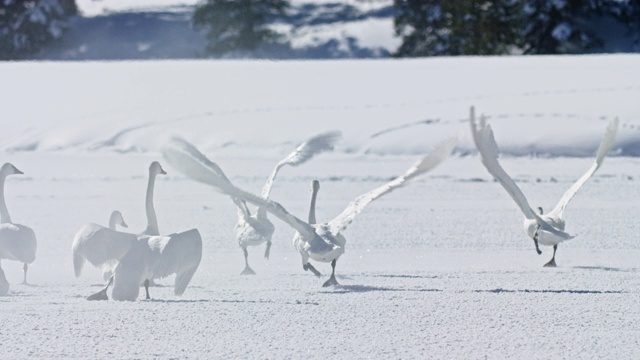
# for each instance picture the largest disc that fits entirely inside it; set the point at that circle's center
(439, 269)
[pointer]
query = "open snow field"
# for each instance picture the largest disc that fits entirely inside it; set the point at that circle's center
(439, 269)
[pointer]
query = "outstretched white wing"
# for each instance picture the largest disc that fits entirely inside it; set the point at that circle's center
(488, 148)
(435, 157)
(188, 160)
(605, 145)
(304, 152)
(486, 144)
(179, 254)
(100, 246)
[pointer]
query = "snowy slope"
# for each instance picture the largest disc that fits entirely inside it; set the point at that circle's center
(550, 106)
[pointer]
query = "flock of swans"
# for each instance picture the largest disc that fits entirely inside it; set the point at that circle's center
(129, 261)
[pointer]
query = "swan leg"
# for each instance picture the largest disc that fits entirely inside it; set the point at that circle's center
(267, 250)
(247, 270)
(146, 288)
(310, 267)
(102, 294)
(552, 262)
(24, 268)
(535, 241)
(332, 280)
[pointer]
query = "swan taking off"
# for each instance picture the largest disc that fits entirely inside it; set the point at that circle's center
(102, 247)
(255, 229)
(320, 242)
(546, 229)
(17, 242)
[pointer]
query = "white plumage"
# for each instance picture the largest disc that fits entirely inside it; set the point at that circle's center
(255, 229)
(17, 242)
(147, 256)
(102, 246)
(321, 242)
(157, 257)
(545, 229)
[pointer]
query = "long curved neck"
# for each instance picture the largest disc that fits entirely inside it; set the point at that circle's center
(112, 222)
(152, 221)
(312, 207)
(4, 213)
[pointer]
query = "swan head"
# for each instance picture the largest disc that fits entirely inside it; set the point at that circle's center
(540, 212)
(156, 169)
(8, 169)
(116, 217)
(315, 185)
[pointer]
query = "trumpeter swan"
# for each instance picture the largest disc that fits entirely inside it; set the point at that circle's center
(321, 242)
(103, 247)
(17, 242)
(255, 229)
(546, 229)
(151, 256)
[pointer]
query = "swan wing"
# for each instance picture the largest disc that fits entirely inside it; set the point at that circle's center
(99, 245)
(488, 148)
(304, 152)
(192, 163)
(605, 145)
(428, 162)
(179, 254)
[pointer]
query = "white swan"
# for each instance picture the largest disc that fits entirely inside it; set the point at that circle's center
(546, 229)
(253, 230)
(151, 256)
(103, 247)
(320, 242)
(17, 242)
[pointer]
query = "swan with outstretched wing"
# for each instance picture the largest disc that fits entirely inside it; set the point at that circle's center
(322, 242)
(256, 229)
(546, 229)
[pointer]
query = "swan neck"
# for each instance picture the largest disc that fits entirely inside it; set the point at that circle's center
(152, 221)
(312, 207)
(112, 222)
(4, 212)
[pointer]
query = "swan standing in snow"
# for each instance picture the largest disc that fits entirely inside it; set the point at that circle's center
(320, 242)
(546, 229)
(102, 247)
(151, 256)
(253, 230)
(17, 242)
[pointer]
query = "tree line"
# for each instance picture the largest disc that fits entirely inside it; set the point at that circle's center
(425, 27)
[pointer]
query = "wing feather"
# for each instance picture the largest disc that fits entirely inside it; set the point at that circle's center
(188, 160)
(303, 153)
(430, 161)
(488, 149)
(605, 145)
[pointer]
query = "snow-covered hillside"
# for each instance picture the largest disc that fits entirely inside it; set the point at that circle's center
(549, 106)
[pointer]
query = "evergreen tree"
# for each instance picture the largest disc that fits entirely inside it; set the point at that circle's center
(465, 27)
(572, 26)
(234, 25)
(25, 26)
